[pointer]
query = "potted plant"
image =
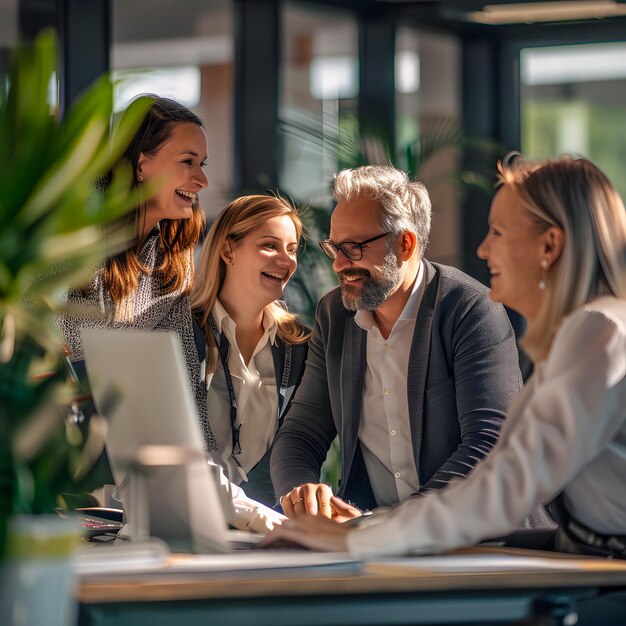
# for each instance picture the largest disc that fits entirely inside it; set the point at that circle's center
(50, 239)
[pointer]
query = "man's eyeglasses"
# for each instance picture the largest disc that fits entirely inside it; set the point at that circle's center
(352, 250)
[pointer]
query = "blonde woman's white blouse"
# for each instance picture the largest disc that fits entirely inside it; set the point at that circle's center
(256, 396)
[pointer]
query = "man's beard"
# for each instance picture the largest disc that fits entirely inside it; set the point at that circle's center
(374, 290)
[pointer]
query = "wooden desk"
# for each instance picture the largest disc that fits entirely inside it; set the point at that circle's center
(381, 593)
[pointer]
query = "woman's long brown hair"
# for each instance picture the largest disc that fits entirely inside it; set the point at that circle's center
(178, 238)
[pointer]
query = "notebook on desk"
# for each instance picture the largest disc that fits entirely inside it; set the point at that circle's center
(152, 405)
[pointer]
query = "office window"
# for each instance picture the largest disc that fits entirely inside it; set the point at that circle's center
(182, 50)
(318, 98)
(573, 99)
(428, 103)
(8, 38)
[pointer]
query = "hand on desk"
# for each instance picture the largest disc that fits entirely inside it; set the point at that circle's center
(254, 516)
(317, 499)
(313, 532)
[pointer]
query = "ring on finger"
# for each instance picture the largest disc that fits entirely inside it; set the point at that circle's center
(298, 501)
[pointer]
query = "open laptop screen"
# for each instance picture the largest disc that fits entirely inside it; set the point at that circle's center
(154, 407)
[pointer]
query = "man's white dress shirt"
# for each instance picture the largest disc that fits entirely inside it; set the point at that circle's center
(384, 430)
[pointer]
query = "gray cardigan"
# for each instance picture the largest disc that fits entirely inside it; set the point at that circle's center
(463, 374)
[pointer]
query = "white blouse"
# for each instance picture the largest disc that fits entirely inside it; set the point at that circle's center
(566, 428)
(256, 396)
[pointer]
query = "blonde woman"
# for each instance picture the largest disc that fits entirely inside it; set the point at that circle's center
(252, 349)
(556, 250)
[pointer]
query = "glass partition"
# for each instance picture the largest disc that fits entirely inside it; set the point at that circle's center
(8, 38)
(428, 109)
(573, 99)
(318, 98)
(182, 50)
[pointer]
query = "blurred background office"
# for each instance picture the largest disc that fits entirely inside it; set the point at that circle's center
(291, 91)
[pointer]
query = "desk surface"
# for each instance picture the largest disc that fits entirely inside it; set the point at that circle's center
(392, 592)
(375, 577)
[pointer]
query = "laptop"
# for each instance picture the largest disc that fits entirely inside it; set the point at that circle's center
(140, 384)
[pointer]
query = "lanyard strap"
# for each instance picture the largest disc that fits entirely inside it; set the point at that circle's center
(223, 350)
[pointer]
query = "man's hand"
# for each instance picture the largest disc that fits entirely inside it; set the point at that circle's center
(315, 533)
(308, 499)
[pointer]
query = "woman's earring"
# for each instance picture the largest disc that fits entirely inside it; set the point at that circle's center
(544, 273)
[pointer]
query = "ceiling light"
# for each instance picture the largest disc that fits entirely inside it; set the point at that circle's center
(529, 12)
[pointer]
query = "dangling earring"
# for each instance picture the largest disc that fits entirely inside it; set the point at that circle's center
(544, 273)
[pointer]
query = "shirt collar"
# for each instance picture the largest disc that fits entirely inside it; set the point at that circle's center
(226, 323)
(365, 319)
(412, 306)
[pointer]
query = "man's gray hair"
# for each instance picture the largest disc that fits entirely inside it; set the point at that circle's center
(404, 204)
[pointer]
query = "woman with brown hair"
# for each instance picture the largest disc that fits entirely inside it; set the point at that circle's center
(146, 286)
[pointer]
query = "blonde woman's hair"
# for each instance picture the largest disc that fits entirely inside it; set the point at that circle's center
(237, 220)
(573, 195)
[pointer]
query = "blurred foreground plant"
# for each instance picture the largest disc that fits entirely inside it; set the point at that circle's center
(51, 238)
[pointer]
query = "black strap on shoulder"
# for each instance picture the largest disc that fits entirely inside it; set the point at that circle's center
(284, 382)
(223, 350)
(198, 337)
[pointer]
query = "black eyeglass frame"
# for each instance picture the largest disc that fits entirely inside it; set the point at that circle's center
(331, 249)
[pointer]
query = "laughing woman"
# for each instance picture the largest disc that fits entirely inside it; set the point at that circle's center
(556, 250)
(145, 286)
(253, 349)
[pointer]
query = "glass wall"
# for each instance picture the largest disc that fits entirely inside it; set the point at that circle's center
(8, 38)
(318, 97)
(428, 110)
(182, 50)
(573, 99)
(319, 87)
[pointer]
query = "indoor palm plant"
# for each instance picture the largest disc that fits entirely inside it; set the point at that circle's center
(437, 156)
(50, 239)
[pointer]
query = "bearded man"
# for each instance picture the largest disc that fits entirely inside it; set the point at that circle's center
(410, 363)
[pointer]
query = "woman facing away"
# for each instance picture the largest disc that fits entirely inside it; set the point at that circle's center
(556, 251)
(145, 286)
(252, 348)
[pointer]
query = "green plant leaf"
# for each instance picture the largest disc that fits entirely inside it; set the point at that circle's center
(51, 237)
(65, 173)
